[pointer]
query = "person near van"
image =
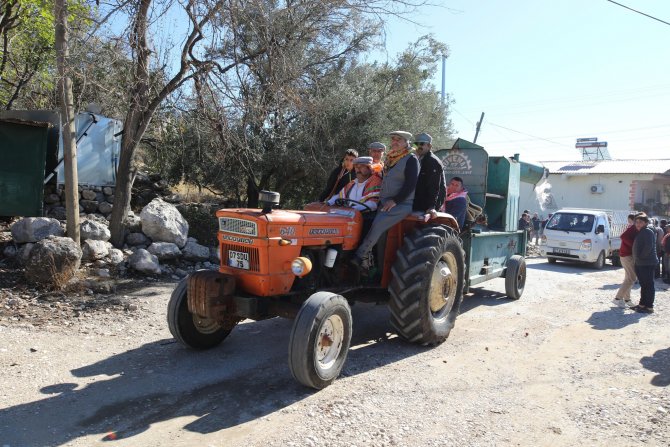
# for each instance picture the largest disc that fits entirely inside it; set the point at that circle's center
(340, 176)
(666, 255)
(622, 298)
(535, 230)
(659, 246)
(644, 255)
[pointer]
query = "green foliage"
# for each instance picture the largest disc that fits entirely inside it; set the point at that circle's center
(28, 61)
(202, 222)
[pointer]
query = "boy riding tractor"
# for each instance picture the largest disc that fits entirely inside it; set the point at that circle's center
(295, 264)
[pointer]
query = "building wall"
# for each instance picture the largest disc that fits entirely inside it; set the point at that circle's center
(620, 191)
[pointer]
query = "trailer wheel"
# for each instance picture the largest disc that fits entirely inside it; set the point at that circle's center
(600, 262)
(190, 329)
(427, 286)
(320, 339)
(515, 277)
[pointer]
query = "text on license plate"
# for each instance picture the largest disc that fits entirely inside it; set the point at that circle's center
(562, 251)
(238, 259)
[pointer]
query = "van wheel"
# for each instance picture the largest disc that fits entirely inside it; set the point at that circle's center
(551, 260)
(320, 340)
(515, 277)
(427, 286)
(600, 262)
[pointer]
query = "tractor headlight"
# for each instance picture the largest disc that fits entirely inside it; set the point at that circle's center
(301, 266)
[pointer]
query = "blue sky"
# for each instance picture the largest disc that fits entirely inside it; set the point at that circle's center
(548, 72)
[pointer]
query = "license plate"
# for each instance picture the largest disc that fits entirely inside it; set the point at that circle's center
(238, 259)
(562, 251)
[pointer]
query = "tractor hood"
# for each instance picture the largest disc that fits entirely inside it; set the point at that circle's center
(329, 227)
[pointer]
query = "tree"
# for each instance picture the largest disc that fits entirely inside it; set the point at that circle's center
(66, 103)
(230, 57)
(252, 146)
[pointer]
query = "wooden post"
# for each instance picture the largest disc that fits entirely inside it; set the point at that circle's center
(66, 105)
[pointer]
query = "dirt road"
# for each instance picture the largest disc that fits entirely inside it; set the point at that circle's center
(559, 367)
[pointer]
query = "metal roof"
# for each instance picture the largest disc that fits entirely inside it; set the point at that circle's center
(657, 166)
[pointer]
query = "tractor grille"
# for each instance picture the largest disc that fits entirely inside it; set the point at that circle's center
(238, 226)
(254, 263)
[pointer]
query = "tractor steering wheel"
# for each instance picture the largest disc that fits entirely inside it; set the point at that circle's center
(348, 202)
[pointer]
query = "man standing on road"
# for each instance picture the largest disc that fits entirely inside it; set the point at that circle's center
(622, 298)
(397, 194)
(535, 220)
(430, 186)
(644, 254)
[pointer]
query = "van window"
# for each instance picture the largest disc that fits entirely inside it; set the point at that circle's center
(571, 222)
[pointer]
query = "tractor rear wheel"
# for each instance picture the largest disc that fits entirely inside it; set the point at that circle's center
(320, 340)
(427, 286)
(190, 329)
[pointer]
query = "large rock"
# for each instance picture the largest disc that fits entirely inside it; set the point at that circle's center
(162, 222)
(87, 194)
(92, 249)
(105, 208)
(23, 253)
(133, 222)
(144, 262)
(90, 206)
(164, 250)
(94, 230)
(134, 239)
(193, 251)
(33, 229)
(115, 256)
(53, 261)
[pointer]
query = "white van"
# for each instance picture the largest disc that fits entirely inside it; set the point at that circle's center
(590, 236)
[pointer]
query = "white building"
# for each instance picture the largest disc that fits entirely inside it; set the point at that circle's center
(603, 184)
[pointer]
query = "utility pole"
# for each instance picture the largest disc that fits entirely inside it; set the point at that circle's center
(66, 105)
(479, 126)
(444, 76)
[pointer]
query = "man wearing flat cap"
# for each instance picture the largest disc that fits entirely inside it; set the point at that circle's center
(364, 189)
(431, 186)
(397, 192)
(376, 151)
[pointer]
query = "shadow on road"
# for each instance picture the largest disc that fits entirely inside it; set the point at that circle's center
(569, 267)
(615, 318)
(660, 364)
(483, 297)
(245, 378)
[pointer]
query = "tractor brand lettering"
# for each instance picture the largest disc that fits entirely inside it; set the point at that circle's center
(243, 240)
(322, 231)
(287, 231)
(457, 163)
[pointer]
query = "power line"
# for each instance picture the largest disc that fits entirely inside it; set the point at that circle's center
(528, 135)
(639, 12)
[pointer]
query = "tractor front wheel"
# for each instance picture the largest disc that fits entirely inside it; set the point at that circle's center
(320, 340)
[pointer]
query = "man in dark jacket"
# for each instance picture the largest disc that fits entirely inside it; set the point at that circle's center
(644, 255)
(430, 186)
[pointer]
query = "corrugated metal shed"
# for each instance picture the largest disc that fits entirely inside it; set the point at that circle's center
(658, 166)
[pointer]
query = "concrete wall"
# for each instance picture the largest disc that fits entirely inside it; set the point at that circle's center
(620, 191)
